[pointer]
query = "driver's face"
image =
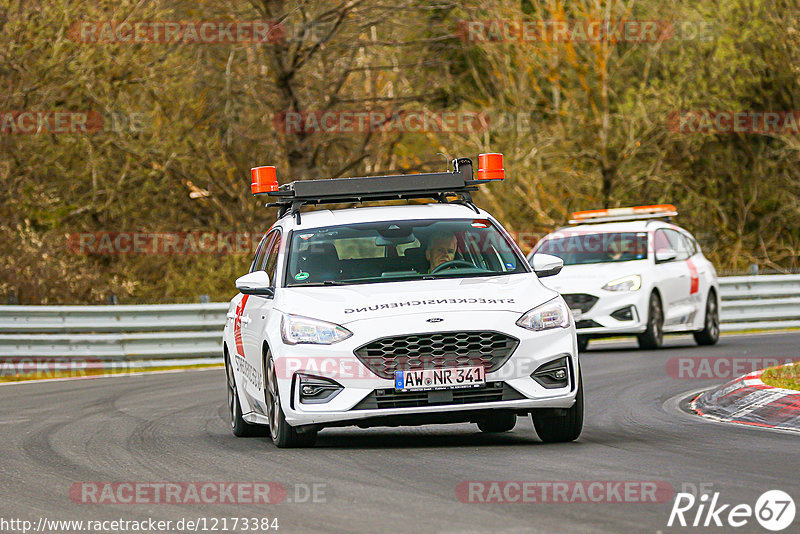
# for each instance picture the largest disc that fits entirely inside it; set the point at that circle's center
(617, 249)
(441, 249)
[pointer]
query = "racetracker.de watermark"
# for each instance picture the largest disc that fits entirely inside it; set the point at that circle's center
(218, 243)
(348, 367)
(207, 492)
(387, 121)
(580, 31)
(33, 122)
(162, 243)
(355, 121)
(729, 122)
(564, 491)
(176, 32)
(29, 368)
(19, 368)
(720, 367)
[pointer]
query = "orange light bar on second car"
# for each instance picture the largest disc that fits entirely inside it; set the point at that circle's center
(635, 212)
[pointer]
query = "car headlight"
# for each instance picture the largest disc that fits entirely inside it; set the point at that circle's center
(296, 330)
(551, 314)
(626, 283)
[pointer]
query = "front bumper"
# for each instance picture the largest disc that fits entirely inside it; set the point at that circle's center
(599, 321)
(338, 362)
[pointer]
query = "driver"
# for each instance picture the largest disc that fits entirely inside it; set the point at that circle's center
(619, 248)
(441, 249)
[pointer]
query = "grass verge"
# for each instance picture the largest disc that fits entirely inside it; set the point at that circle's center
(785, 376)
(81, 373)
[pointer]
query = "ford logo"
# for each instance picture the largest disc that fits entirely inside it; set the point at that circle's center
(435, 320)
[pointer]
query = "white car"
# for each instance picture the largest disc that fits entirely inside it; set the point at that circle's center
(628, 271)
(396, 315)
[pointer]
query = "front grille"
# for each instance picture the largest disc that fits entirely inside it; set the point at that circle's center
(390, 398)
(436, 351)
(580, 301)
(587, 323)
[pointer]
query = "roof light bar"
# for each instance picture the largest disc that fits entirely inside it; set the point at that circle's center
(264, 180)
(490, 167)
(623, 214)
(437, 185)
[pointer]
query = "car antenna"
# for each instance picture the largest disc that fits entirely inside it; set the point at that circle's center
(446, 164)
(446, 161)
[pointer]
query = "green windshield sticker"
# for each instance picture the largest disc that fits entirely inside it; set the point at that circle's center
(301, 276)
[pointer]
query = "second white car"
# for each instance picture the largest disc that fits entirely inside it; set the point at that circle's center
(630, 271)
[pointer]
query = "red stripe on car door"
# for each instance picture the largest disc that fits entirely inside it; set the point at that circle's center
(695, 278)
(237, 326)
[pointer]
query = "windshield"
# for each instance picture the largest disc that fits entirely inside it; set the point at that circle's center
(606, 247)
(392, 251)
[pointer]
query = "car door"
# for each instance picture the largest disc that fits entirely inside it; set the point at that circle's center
(238, 316)
(688, 287)
(258, 310)
(699, 278)
(672, 278)
(244, 333)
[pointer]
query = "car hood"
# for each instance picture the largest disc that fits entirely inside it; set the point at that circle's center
(592, 276)
(345, 304)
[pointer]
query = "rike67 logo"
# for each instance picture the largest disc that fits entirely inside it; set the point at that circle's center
(774, 510)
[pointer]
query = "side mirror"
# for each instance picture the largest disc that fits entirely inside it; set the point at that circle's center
(255, 283)
(665, 254)
(546, 265)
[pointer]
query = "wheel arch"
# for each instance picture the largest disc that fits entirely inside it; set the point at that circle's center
(711, 290)
(657, 292)
(265, 348)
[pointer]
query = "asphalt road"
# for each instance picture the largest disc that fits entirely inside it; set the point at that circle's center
(174, 428)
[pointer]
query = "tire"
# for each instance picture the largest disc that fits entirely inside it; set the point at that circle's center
(239, 427)
(653, 337)
(583, 342)
(709, 335)
(283, 435)
(499, 422)
(561, 428)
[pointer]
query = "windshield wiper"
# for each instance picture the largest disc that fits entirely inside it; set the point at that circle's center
(323, 283)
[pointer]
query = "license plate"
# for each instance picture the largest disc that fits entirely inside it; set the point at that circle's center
(456, 377)
(577, 314)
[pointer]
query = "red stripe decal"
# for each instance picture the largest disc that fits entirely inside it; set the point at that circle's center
(695, 278)
(237, 326)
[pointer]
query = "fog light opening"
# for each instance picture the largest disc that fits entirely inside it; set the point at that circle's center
(316, 389)
(553, 374)
(624, 314)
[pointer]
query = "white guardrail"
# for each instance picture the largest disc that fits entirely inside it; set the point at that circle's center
(147, 332)
(763, 302)
(169, 331)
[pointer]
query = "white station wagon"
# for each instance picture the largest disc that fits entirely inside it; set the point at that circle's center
(629, 272)
(397, 315)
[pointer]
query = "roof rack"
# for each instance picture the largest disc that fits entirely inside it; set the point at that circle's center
(438, 186)
(635, 213)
